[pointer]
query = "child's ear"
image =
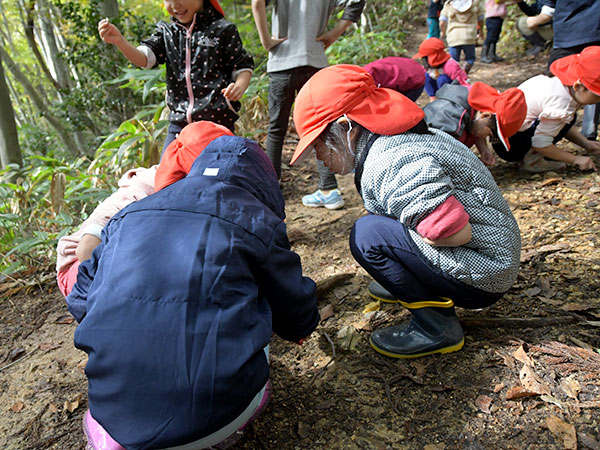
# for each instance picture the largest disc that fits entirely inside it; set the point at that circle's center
(578, 86)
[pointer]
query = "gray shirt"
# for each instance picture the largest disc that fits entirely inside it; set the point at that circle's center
(301, 21)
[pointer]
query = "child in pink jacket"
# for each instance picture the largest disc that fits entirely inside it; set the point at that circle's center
(73, 249)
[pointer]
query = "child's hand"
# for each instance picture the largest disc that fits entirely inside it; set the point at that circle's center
(327, 38)
(593, 146)
(272, 42)
(233, 92)
(86, 246)
(108, 32)
(584, 163)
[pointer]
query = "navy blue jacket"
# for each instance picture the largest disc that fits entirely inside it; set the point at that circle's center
(576, 22)
(182, 295)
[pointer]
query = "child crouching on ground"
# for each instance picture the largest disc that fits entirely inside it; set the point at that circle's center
(552, 103)
(472, 116)
(439, 234)
(177, 305)
(73, 249)
(440, 68)
(400, 74)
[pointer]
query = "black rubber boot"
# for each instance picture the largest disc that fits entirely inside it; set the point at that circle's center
(589, 127)
(538, 42)
(485, 58)
(492, 54)
(430, 330)
(378, 292)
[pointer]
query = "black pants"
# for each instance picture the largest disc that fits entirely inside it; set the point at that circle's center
(283, 87)
(520, 142)
(493, 26)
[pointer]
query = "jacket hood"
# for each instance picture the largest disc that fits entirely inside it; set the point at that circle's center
(241, 162)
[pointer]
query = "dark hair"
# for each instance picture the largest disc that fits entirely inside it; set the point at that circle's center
(426, 64)
(493, 124)
(420, 128)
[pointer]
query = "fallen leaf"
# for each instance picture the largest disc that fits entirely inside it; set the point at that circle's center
(553, 400)
(531, 292)
(52, 408)
(517, 392)
(71, 405)
(499, 387)
(419, 367)
(532, 382)
(550, 301)
(551, 248)
(549, 181)
(65, 320)
(522, 356)
(326, 312)
(571, 387)
(564, 432)
(48, 346)
(373, 306)
(576, 307)
(17, 407)
(483, 402)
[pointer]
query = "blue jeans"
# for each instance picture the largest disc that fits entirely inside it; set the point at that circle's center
(469, 51)
(434, 27)
(384, 248)
(432, 85)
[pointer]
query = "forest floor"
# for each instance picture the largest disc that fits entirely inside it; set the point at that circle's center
(528, 376)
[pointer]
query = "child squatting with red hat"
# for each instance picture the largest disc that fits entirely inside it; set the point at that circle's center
(178, 303)
(552, 103)
(440, 68)
(439, 234)
(473, 115)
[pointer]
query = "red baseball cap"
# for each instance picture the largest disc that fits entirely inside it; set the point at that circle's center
(435, 51)
(348, 89)
(179, 156)
(510, 108)
(584, 67)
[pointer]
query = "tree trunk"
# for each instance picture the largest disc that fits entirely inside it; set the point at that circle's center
(51, 50)
(10, 152)
(62, 132)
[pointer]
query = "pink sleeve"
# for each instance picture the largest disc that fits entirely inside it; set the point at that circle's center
(455, 72)
(67, 277)
(447, 219)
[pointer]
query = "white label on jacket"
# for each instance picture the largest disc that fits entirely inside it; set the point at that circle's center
(211, 171)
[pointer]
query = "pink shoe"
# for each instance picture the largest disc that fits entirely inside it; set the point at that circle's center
(97, 437)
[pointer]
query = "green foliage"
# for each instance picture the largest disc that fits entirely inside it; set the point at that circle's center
(362, 48)
(123, 110)
(31, 218)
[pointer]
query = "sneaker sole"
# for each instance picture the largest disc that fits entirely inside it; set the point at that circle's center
(450, 349)
(337, 205)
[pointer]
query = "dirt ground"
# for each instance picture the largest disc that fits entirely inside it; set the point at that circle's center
(528, 376)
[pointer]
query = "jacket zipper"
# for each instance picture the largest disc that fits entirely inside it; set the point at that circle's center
(188, 70)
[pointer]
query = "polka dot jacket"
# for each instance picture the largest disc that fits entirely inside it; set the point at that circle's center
(200, 63)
